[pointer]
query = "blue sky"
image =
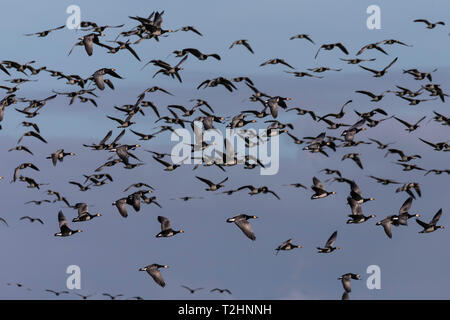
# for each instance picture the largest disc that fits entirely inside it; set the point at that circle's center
(212, 253)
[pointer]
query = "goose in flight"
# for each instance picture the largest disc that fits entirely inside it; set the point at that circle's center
(59, 155)
(153, 271)
(221, 290)
(276, 61)
(97, 77)
(357, 215)
(356, 60)
(255, 190)
(241, 221)
(64, 227)
(329, 244)
(287, 245)
(89, 25)
(212, 186)
(403, 213)
(354, 157)
(410, 127)
(415, 102)
(394, 41)
(380, 73)
(372, 46)
(319, 190)
(123, 46)
(88, 42)
(346, 280)
(57, 293)
(44, 33)
(166, 229)
(22, 167)
(386, 223)
(192, 291)
(167, 69)
(302, 36)
(121, 206)
(112, 297)
(405, 91)
(333, 125)
(323, 69)
(331, 46)
(338, 115)
(408, 187)
(403, 156)
(419, 75)
(384, 181)
(242, 42)
(139, 185)
(375, 98)
(438, 146)
(302, 112)
(83, 213)
(429, 24)
(84, 297)
(432, 225)
(38, 202)
(196, 53)
(410, 167)
(296, 185)
(32, 219)
(303, 74)
(32, 134)
(381, 145)
(169, 166)
(437, 171)
(189, 28)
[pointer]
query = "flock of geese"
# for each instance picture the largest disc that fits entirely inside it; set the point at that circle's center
(151, 28)
(152, 270)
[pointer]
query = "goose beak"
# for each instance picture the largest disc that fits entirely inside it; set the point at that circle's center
(99, 215)
(181, 231)
(165, 267)
(371, 199)
(255, 217)
(80, 230)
